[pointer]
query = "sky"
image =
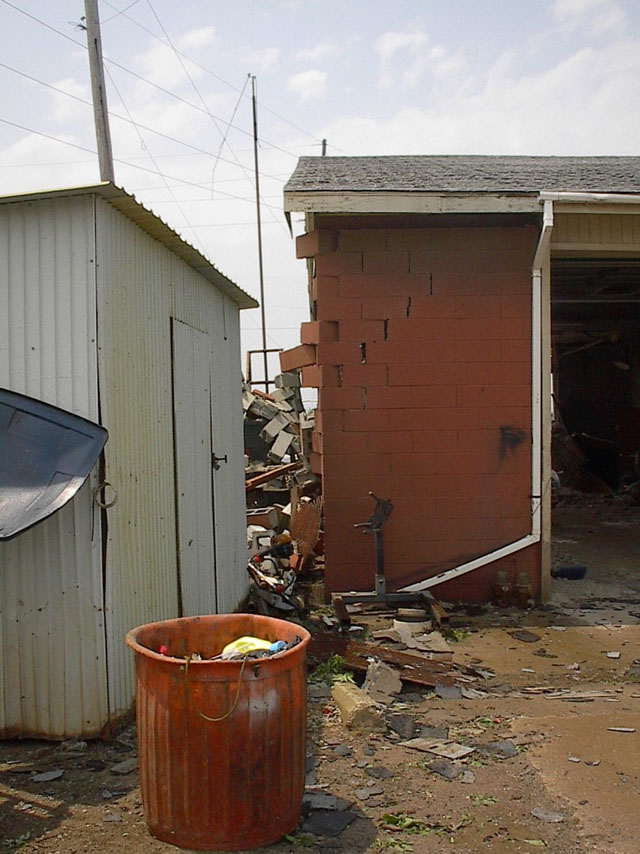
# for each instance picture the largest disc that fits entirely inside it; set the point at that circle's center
(370, 76)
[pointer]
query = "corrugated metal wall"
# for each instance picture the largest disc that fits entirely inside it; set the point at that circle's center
(52, 652)
(218, 315)
(141, 286)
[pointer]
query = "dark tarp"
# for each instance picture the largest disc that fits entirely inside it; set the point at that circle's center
(46, 454)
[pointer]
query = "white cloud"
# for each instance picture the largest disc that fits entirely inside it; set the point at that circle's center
(315, 54)
(596, 16)
(263, 60)
(65, 110)
(413, 58)
(584, 104)
(198, 38)
(308, 84)
(161, 65)
(391, 42)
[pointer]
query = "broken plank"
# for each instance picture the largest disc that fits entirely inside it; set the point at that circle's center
(266, 476)
(411, 668)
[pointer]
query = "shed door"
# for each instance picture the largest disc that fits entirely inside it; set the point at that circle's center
(194, 481)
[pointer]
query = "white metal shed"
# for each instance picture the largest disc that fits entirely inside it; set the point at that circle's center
(108, 313)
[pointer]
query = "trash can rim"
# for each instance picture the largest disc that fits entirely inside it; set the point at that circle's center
(136, 646)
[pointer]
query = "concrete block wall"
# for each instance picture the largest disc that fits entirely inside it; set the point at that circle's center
(422, 342)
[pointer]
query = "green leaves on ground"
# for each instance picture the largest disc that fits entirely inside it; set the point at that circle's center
(332, 670)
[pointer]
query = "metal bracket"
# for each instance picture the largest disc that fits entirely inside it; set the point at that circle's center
(215, 461)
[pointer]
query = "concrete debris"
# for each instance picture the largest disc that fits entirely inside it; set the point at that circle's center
(432, 642)
(386, 635)
(448, 692)
(327, 822)
(472, 693)
(342, 750)
(434, 733)
(282, 416)
(125, 767)
(318, 691)
(47, 776)
(319, 801)
(408, 629)
(73, 746)
(547, 816)
(367, 792)
(525, 636)
(381, 682)
(445, 768)
(500, 749)
(451, 750)
(404, 725)
(357, 710)
(379, 772)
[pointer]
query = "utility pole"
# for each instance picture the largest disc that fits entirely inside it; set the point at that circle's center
(324, 147)
(259, 221)
(99, 92)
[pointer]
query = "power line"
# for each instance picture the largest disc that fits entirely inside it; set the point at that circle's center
(120, 12)
(128, 119)
(224, 138)
(141, 78)
(223, 224)
(151, 157)
(214, 75)
(202, 100)
(126, 162)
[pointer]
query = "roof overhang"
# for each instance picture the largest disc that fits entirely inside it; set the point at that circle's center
(153, 226)
(367, 202)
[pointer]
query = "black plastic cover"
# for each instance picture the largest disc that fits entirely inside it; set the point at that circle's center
(46, 454)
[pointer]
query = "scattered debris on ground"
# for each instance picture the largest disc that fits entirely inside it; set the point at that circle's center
(491, 728)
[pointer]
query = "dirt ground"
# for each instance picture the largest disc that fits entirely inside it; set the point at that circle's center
(555, 732)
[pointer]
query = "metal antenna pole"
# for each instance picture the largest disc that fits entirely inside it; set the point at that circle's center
(99, 92)
(259, 221)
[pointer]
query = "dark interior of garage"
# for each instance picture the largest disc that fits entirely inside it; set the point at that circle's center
(595, 307)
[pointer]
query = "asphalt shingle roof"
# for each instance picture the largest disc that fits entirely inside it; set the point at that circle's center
(466, 174)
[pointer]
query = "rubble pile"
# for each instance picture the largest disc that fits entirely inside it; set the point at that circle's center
(284, 428)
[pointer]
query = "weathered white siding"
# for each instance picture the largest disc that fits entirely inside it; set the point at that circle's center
(593, 232)
(142, 285)
(52, 652)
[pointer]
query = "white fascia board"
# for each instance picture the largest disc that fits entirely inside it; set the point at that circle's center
(412, 203)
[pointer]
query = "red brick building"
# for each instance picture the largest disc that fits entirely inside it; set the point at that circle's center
(430, 346)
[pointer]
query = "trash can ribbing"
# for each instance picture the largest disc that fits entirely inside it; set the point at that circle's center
(221, 744)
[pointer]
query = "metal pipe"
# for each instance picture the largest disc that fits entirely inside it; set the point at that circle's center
(259, 223)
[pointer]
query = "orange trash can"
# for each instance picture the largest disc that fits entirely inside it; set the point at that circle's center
(221, 744)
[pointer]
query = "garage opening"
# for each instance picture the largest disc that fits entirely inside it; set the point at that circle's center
(595, 309)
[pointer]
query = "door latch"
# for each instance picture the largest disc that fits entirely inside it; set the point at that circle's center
(215, 461)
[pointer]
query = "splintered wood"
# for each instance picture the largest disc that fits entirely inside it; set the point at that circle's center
(411, 668)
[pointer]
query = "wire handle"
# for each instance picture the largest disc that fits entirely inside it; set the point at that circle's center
(233, 705)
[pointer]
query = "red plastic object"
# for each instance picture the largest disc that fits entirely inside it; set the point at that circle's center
(234, 783)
